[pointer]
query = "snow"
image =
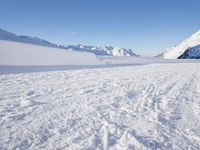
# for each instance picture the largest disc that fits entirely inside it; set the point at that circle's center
(53, 98)
(103, 51)
(175, 52)
(153, 106)
(19, 54)
(18, 57)
(193, 52)
(8, 36)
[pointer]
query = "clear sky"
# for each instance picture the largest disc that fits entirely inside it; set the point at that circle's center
(146, 26)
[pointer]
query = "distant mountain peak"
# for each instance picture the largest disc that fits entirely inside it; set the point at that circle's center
(107, 50)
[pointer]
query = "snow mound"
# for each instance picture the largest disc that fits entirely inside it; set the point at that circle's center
(187, 45)
(16, 54)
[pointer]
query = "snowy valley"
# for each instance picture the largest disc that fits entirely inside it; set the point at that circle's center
(55, 97)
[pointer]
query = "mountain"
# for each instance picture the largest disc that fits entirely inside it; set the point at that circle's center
(5, 35)
(187, 49)
(105, 51)
(191, 53)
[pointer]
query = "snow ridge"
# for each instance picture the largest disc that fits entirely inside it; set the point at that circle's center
(5, 35)
(186, 45)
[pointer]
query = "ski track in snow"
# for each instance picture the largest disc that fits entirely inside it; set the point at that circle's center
(154, 106)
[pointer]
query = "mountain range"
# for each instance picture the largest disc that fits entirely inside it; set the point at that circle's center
(105, 51)
(187, 49)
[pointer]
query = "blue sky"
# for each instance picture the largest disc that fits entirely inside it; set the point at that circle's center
(146, 26)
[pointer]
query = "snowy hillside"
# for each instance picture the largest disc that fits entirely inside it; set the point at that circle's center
(5, 35)
(191, 53)
(148, 107)
(16, 54)
(189, 47)
(106, 51)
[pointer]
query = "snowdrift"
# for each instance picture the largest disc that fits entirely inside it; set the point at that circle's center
(20, 54)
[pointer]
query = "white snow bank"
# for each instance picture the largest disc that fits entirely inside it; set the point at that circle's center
(19, 57)
(20, 54)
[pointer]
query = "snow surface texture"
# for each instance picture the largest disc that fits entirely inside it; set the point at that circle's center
(16, 54)
(187, 45)
(152, 106)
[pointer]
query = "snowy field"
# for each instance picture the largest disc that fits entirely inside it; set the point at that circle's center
(22, 58)
(155, 106)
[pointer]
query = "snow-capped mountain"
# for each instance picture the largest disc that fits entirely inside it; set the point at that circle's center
(105, 51)
(191, 53)
(119, 51)
(188, 49)
(8, 36)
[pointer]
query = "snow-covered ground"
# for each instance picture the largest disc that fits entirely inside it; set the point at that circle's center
(21, 54)
(101, 62)
(155, 106)
(16, 57)
(51, 98)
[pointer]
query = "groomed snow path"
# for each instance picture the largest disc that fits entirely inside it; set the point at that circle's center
(153, 106)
